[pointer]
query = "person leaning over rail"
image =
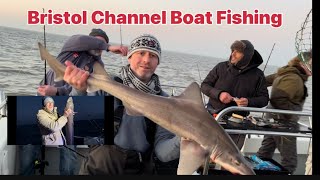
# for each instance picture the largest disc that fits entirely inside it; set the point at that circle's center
(288, 92)
(137, 137)
(238, 79)
(82, 51)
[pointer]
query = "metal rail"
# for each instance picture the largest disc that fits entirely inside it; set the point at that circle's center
(248, 131)
(3, 104)
(264, 110)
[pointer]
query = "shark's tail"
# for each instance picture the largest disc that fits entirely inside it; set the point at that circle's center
(58, 68)
(98, 73)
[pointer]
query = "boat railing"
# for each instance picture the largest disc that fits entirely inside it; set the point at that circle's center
(3, 104)
(231, 109)
(262, 110)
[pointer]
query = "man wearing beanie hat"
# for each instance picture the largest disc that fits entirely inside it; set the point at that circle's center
(136, 137)
(288, 92)
(237, 82)
(145, 42)
(82, 51)
(51, 124)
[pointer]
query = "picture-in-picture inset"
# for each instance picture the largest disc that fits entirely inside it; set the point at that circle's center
(59, 120)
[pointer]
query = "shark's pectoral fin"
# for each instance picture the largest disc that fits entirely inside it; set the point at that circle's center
(192, 156)
(130, 111)
(192, 92)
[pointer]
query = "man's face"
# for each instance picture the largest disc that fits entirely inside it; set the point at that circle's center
(143, 64)
(236, 56)
(50, 106)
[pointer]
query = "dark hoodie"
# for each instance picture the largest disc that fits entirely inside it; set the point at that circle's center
(242, 80)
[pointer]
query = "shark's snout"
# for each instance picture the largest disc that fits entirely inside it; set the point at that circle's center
(236, 164)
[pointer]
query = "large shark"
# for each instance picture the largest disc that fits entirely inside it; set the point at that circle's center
(183, 115)
(70, 123)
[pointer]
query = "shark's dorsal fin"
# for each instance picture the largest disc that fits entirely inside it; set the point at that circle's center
(192, 92)
(98, 73)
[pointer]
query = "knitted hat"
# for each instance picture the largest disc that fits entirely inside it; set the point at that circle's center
(247, 49)
(46, 100)
(145, 42)
(99, 32)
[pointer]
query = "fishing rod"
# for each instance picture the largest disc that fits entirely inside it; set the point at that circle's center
(120, 35)
(74, 151)
(42, 162)
(203, 99)
(123, 64)
(45, 45)
(269, 57)
(260, 82)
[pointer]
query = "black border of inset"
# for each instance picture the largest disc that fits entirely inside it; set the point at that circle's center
(109, 120)
(11, 120)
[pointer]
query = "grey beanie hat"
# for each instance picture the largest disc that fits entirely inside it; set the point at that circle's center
(145, 42)
(99, 32)
(247, 49)
(46, 100)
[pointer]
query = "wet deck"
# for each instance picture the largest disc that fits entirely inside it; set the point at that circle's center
(52, 155)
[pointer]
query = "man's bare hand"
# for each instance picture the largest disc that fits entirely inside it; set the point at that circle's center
(47, 90)
(123, 50)
(225, 97)
(76, 77)
(68, 112)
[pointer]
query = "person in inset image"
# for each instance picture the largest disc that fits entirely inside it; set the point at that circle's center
(51, 123)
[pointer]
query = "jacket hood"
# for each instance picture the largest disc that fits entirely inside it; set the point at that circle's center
(292, 69)
(255, 61)
(247, 49)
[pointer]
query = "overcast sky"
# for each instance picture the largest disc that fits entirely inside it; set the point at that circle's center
(209, 40)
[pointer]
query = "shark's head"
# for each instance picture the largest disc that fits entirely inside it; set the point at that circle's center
(235, 163)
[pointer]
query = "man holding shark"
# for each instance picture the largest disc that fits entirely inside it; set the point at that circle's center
(135, 139)
(177, 116)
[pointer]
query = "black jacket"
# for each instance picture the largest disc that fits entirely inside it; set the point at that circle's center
(249, 83)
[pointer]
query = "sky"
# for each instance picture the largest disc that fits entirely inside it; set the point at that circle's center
(208, 39)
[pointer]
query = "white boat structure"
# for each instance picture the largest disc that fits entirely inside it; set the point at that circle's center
(7, 152)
